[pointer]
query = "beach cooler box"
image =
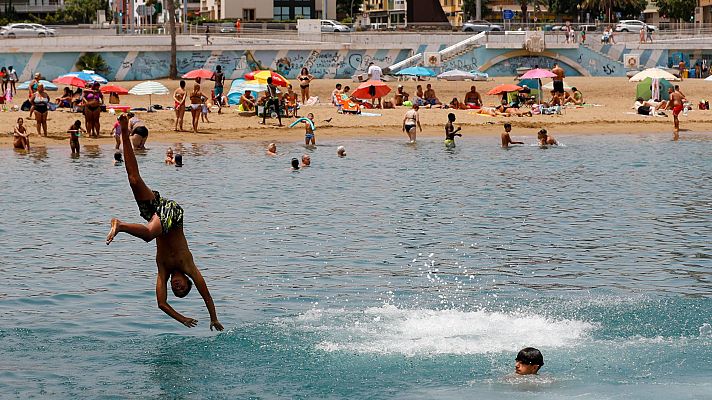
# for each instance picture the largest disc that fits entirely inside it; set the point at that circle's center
(118, 108)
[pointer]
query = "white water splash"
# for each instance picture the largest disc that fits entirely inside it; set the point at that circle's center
(390, 330)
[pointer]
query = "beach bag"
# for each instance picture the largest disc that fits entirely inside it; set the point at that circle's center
(644, 110)
(26, 105)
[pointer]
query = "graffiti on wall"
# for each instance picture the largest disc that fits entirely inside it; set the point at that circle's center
(509, 66)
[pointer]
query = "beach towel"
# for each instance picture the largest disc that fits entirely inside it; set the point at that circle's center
(368, 114)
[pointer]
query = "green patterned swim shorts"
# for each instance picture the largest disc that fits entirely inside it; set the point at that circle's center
(169, 212)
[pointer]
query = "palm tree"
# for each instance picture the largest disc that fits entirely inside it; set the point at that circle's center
(173, 71)
(607, 5)
(525, 7)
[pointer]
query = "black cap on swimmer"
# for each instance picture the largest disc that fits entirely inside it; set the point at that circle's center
(117, 157)
(178, 159)
(530, 356)
(295, 163)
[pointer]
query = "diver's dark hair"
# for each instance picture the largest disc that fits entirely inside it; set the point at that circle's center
(530, 356)
(451, 117)
(187, 290)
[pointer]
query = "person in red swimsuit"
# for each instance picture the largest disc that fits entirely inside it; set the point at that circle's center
(675, 103)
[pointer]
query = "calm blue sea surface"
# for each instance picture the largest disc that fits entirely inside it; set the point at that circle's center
(400, 272)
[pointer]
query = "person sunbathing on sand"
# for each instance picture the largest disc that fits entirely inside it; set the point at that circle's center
(165, 224)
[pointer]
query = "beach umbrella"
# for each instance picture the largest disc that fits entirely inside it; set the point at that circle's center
(261, 76)
(653, 73)
(644, 89)
(505, 88)
(479, 75)
(47, 85)
(538, 73)
(416, 71)
(113, 89)
(70, 80)
(240, 86)
(371, 90)
(198, 73)
(550, 86)
(88, 76)
(709, 78)
(457, 75)
(149, 88)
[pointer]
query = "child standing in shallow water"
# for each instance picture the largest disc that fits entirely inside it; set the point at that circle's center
(309, 138)
(450, 131)
(74, 132)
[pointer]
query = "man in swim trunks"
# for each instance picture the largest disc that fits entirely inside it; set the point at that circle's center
(506, 139)
(675, 103)
(309, 139)
(165, 224)
(473, 98)
(431, 99)
(247, 101)
(219, 78)
(179, 97)
(559, 79)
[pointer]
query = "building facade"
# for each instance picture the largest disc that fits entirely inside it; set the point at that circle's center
(268, 10)
(384, 14)
(453, 10)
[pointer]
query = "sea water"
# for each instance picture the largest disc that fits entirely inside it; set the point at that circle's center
(401, 271)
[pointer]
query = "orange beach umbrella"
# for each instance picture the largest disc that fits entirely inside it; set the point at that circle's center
(507, 87)
(371, 90)
(113, 89)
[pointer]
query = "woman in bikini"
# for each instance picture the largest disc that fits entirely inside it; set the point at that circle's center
(196, 105)
(305, 79)
(93, 99)
(179, 104)
(137, 131)
(21, 138)
(41, 101)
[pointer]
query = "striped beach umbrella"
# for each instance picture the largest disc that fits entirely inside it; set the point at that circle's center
(149, 88)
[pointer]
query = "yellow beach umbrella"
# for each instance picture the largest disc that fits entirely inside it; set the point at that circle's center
(261, 76)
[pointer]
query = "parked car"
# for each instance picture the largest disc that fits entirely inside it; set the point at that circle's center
(588, 28)
(633, 25)
(481, 26)
(228, 29)
(26, 30)
(328, 25)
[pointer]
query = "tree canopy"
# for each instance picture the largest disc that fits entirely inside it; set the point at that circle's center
(681, 10)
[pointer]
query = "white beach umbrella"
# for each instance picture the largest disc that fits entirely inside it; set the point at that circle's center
(457, 75)
(655, 73)
(149, 88)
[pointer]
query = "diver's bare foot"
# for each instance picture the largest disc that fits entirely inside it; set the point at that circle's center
(114, 230)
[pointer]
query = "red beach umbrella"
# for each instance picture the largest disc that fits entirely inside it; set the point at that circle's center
(506, 88)
(371, 90)
(70, 80)
(114, 89)
(198, 73)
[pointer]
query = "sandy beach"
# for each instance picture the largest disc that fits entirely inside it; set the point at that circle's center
(610, 112)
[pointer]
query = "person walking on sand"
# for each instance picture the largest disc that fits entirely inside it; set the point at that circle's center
(179, 97)
(411, 120)
(13, 79)
(165, 225)
(219, 78)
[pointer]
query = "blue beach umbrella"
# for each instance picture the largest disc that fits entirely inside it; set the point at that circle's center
(47, 85)
(238, 88)
(88, 76)
(416, 71)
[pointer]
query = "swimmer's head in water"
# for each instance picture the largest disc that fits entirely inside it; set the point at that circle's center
(306, 160)
(178, 159)
(541, 134)
(529, 360)
(169, 152)
(507, 127)
(341, 151)
(117, 156)
(180, 284)
(451, 117)
(295, 163)
(272, 148)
